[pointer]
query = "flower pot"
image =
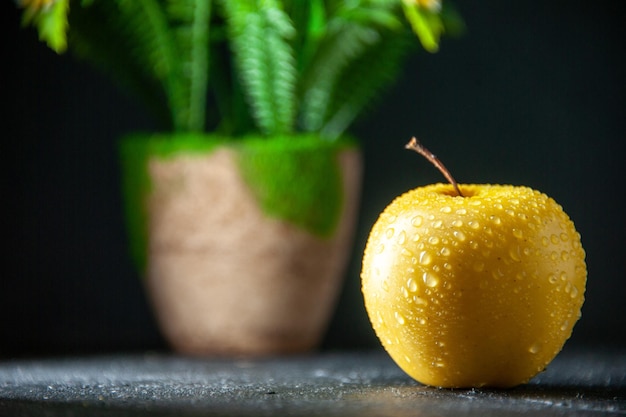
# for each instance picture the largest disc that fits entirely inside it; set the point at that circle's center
(243, 245)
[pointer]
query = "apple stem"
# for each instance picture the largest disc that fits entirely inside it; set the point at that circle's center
(417, 146)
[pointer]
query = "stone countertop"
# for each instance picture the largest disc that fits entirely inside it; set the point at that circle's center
(578, 382)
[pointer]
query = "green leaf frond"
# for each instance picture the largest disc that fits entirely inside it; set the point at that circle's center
(260, 32)
(363, 80)
(351, 32)
(51, 23)
(190, 21)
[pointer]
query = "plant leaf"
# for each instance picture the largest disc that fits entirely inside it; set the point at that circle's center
(51, 23)
(260, 33)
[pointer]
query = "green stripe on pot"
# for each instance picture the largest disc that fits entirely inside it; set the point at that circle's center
(294, 178)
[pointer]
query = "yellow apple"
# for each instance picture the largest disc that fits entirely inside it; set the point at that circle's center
(476, 290)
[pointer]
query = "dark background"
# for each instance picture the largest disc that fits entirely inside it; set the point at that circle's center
(533, 94)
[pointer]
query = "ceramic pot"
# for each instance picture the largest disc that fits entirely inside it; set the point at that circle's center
(244, 245)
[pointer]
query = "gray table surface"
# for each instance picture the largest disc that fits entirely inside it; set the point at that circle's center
(579, 382)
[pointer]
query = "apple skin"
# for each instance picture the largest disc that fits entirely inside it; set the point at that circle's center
(473, 291)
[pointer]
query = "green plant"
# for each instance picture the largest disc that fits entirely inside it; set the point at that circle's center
(260, 66)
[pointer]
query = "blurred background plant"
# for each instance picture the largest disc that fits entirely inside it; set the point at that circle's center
(237, 67)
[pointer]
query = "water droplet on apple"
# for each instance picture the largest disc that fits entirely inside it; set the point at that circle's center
(445, 251)
(496, 220)
(411, 285)
(554, 239)
(422, 321)
(417, 221)
(433, 240)
(380, 248)
(518, 233)
(416, 237)
(460, 236)
(515, 254)
(425, 258)
(474, 224)
(574, 292)
(552, 279)
(437, 224)
(545, 241)
(399, 318)
(419, 300)
(390, 232)
(565, 255)
(445, 209)
(404, 292)
(457, 223)
(402, 237)
(534, 348)
(461, 211)
(431, 280)
(407, 253)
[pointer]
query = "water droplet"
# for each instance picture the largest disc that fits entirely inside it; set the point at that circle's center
(555, 239)
(433, 240)
(406, 358)
(379, 317)
(563, 276)
(404, 292)
(447, 266)
(496, 220)
(416, 237)
(425, 258)
(411, 285)
(402, 237)
(568, 287)
(445, 251)
(554, 256)
(431, 280)
(399, 318)
(457, 223)
(460, 236)
(574, 292)
(437, 224)
(564, 237)
(385, 285)
(406, 252)
(380, 248)
(422, 321)
(461, 211)
(552, 279)
(419, 301)
(417, 221)
(445, 209)
(515, 254)
(545, 241)
(564, 325)
(474, 224)
(518, 233)
(534, 348)
(565, 255)
(475, 202)
(389, 233)
(497, 274)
